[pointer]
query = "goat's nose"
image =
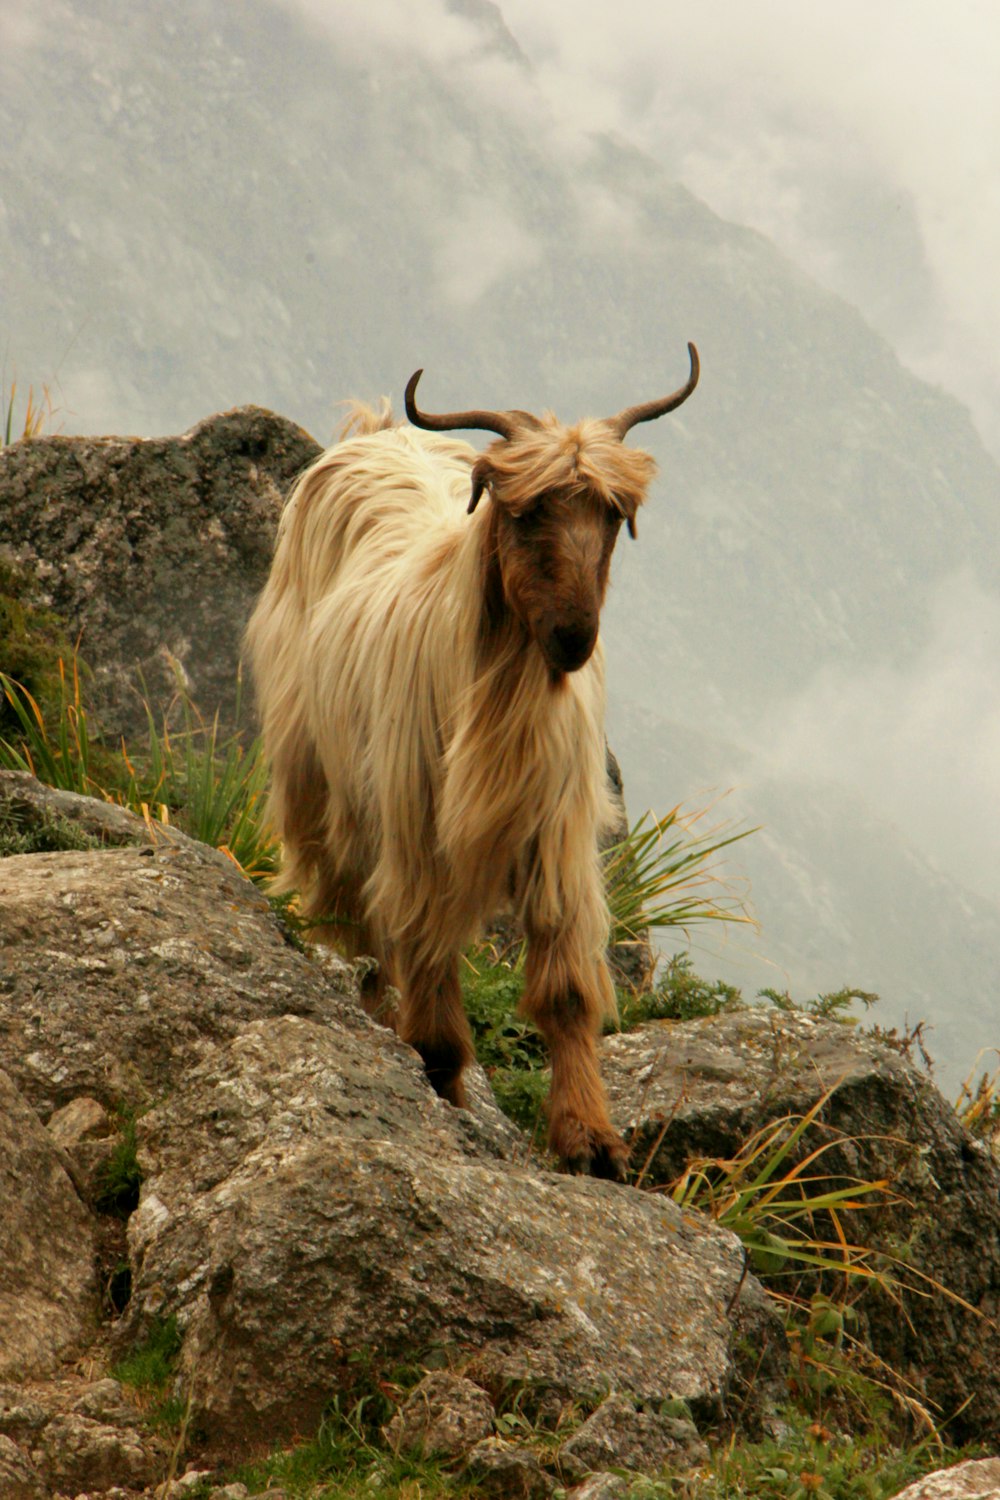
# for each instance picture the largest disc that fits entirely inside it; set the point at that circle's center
(572, 645)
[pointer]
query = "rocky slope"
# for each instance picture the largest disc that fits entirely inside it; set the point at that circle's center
(306, 1202)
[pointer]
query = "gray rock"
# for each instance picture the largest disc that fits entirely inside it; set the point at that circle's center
(120, 963)
(154, 549)
(20, 1415)
(87, 1140)
(30, 805)
(701, 1088)
(82, 1119)
(620, 1436)
(48, 1293)
(445, 1415)
(179, 1489)
(105, 1401)
(305, 1194)
(978, 1479)
(19, 1478)
(79, 1453)
(509, 1473)
(601, 1487)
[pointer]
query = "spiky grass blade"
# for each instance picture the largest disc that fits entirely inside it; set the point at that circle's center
(62, 759)
(662, 874)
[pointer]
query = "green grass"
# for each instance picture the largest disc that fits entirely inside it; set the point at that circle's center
(808, 1460)
(509, 1048)
(49, 834)
(806, 1456)
(664, 873)
(348, 1458)
(149, 1368)
(121, 1178)
(211, 787)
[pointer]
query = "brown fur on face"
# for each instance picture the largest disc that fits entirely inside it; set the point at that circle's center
(553, 561)
(559, 497)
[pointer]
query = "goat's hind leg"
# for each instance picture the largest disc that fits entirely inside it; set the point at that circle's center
(337, 910)
(432, 1019)
(567, 1000)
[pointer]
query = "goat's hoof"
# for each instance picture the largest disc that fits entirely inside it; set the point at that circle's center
(593, 1152)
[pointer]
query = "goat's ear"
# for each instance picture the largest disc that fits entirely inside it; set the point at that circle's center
(630, 523)
(481, 476)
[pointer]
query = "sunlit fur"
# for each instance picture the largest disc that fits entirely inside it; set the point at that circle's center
(438, 751)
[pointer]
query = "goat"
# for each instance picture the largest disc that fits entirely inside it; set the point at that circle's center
(431, 690)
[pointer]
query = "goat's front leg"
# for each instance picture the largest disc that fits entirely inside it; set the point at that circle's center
(567, 997)
(432, 1019)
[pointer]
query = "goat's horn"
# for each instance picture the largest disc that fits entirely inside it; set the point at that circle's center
(651, 409)
(505, 423)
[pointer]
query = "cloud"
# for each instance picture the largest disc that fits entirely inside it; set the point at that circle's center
(865, 140)
(921, 742)
(478, 247)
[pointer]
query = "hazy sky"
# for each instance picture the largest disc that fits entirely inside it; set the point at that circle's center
(864, 139)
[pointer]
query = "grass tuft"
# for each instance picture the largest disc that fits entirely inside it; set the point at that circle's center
(211, 787)
(664, 874)
(149, 1367)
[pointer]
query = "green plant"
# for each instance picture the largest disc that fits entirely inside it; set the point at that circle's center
(809, 1460)
(832, 1007)
(785, 1210)
(978, 1104)
(662, 875)
(215, 788)
(212, 788)
(43, 836)
(32, 640)
(149, 1366)
(61, 759)
(679, 994)
(121, 1178)
(509, 1047)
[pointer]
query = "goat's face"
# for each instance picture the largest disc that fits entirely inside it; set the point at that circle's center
(554, 555)
(559, 495)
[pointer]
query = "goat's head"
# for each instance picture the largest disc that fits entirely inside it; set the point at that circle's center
(559, 496)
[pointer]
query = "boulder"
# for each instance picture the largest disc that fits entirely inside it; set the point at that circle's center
(308, 1199)
(978, 1479)
(78, 1453)
(48, 1292)
(620, 1436)
(77, 1436)
(152, 550)
(120, 963)
(507, 1472)
(444, 1415)
(19, 1477)
(701, 1088)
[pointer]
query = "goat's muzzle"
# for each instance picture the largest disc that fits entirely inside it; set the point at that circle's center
(567, 648)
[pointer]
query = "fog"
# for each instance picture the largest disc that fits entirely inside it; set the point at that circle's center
(921, 743)
(864, 140)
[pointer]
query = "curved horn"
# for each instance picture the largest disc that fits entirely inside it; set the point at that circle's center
(652, 409)
(505, 423)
